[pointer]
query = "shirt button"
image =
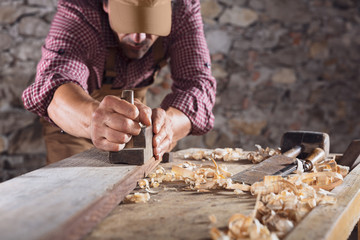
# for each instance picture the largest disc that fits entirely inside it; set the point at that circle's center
(208, 65)
(61, 51)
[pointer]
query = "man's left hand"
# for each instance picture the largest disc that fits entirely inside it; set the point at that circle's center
(163, 132)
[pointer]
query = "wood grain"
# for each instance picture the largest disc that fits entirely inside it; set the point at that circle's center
(67, 199)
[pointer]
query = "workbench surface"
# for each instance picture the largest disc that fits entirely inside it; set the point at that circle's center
(78, 198)
(175, 213)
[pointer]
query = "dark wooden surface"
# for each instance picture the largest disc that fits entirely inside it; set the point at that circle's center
(67, 199)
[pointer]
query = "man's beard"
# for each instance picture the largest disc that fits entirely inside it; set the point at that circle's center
(135, 50)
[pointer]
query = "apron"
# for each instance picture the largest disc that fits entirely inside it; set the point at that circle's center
(60, 145)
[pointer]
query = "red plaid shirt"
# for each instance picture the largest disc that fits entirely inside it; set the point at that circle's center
(76, 48)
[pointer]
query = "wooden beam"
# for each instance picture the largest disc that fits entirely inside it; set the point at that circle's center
(333, 222)
(65, 200)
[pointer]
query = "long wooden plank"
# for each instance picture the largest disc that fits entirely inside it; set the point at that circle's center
(333, 222)
(67, 199)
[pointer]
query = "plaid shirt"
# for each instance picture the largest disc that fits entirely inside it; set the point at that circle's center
(77, 45)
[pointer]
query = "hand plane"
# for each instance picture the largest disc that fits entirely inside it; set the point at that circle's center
(139, 149)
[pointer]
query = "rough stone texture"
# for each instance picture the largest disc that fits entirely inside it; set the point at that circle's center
(5, 41)
(218, 41)
(211, 9)
(239, 17)
(284, 76)
(280, 65)
(3, 144)
(9, 14)
(32, 26)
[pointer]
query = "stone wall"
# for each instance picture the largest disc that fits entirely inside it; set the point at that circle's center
(280, 65)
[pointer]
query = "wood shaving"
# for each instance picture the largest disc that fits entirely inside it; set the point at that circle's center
(261, 154)
(144, 184)
(137, 198)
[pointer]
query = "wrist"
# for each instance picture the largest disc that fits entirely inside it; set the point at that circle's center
(92, 106)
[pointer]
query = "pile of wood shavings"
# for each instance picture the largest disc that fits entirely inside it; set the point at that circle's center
(201, 178)
(205, 177)
(233, 154)
(283, 202)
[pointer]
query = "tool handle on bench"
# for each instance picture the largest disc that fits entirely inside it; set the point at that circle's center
(128, 95)
(316, 156)
(293, 152)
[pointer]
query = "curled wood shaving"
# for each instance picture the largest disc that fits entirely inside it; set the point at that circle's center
(219, 154)
(261, 154)
(144, 184)
(137, 198)
(246, 227)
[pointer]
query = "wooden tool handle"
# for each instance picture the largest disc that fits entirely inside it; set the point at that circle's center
(293, 152)
(316, 156)
(128, 95)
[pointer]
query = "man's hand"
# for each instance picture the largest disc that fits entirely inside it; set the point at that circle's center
(168, 126)
(115, 121)
(163, 132)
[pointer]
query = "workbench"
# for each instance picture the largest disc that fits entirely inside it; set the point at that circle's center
(78, 198)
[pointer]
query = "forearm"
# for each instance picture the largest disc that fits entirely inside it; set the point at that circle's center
(71, 109)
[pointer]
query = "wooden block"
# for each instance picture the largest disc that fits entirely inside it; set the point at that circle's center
(65, 200)
(141, 151)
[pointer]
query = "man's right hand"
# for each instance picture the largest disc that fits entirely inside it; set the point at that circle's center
(114, 122)
(109, 123)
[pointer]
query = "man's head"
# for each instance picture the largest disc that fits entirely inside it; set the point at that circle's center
(138, 23)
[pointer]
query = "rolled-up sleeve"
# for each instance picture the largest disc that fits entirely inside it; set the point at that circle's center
(194, 88)
(63, 60)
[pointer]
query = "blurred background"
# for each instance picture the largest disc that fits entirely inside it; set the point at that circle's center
(280, 65)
